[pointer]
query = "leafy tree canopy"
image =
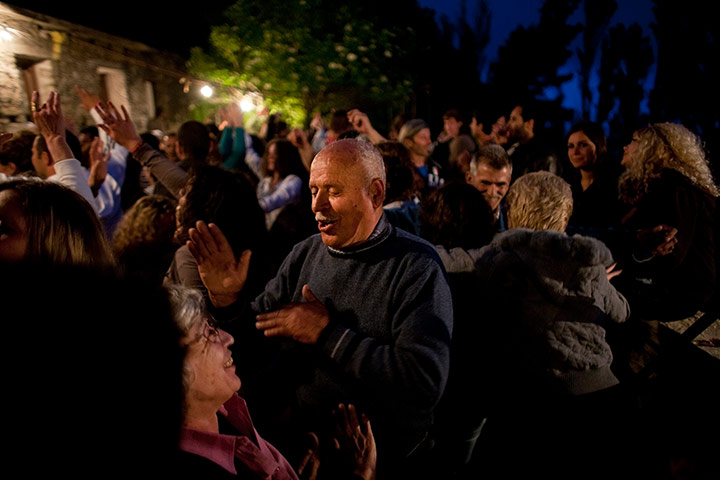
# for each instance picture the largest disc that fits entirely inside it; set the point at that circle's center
(309, 55)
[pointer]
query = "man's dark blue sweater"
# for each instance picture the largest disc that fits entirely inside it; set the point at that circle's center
(386, 349)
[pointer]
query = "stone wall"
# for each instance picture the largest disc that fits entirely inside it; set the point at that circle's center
(56, 55)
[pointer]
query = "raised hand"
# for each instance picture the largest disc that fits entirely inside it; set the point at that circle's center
(308, 468)
(355, 441)
(361, 122)
(303, 322)
(87, 99)
(220, 272)
(234, 115)
(49, 119)
(98, 165)
(118, 126)
(317, 122)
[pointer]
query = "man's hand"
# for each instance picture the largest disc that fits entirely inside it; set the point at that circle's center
(48, 117)
(361, 122)
(119, 127)
(88, 100)
(298, 138)
(317, 122)
(303, 322)
(222, 275)
(234, 115)
(51, 125)
(98, 165)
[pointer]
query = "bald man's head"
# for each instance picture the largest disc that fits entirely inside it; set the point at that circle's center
(347, 182)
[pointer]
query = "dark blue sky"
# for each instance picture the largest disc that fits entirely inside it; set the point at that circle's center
(508, 14)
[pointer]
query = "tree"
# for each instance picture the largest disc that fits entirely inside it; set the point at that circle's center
(626, 60)
(688, 68)
(529, 62)
(310, 55)
(597, 21)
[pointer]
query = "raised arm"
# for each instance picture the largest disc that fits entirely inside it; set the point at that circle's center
(223, 275)
(50, 122)
(121, 128)
(361, 122)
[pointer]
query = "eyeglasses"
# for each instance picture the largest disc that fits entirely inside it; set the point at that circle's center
(210, 333)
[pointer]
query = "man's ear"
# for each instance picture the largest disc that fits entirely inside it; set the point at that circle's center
(46, 158)
(377, 193)
(468, 177)
(530, 124)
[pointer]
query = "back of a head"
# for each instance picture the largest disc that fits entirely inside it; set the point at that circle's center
(539, 201)
(339, 122)
(62, 227)
(456, 215)
(399, 171)
(453, 113)
(411, 128)
(18, 150)
(229, 200)
(103, 366)
(194, 139)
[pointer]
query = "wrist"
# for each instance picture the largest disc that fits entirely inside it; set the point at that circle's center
(134, 145)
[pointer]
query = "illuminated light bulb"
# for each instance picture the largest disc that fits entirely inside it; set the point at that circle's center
(246, 104)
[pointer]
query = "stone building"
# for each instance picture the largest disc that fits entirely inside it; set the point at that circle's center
(42, 53)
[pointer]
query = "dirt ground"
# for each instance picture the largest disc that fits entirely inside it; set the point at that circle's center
(708, 341)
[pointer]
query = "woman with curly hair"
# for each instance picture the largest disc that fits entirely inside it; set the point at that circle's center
(668, 185)
(143, 243)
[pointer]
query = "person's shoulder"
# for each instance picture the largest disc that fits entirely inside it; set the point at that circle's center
(414, 245)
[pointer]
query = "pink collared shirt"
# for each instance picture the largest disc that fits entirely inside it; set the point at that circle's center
(247, 448)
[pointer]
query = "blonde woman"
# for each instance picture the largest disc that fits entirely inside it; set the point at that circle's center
(668, 183)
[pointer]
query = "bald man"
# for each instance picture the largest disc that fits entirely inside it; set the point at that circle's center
(369, 302)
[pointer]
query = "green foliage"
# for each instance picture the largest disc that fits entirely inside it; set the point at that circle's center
(306, 55)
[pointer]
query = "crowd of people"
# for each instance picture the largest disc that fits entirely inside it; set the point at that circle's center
(349, 304)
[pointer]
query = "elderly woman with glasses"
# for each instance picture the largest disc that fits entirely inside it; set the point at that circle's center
(218, 438)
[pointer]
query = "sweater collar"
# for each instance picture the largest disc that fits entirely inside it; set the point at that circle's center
(381, 231)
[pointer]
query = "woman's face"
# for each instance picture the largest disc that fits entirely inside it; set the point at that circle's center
(210, 364)
(630, 150)
(581, 151)
(13, 228)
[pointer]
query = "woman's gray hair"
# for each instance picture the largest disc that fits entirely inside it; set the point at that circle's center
(187, 305)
